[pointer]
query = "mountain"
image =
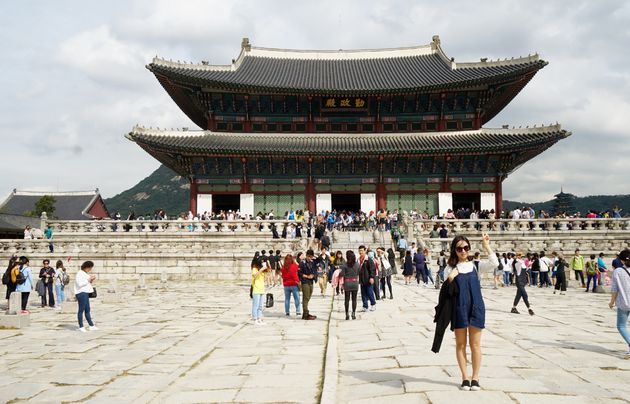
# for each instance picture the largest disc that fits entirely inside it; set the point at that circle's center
(165, 189)
(583, 204)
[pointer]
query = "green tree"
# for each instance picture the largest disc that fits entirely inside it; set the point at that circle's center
(45, 204)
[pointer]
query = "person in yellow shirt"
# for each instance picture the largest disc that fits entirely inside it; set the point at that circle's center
(577, 265)
(259, 269)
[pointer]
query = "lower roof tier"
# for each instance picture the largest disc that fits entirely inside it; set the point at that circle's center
(486, 141)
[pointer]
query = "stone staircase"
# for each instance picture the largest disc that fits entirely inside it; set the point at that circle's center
(351, 240)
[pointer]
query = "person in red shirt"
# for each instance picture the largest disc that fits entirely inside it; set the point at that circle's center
(290, 282)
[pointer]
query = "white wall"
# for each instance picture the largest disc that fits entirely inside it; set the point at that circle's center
(323, 202)
(247, 204)
(445, 202)
(488, 201)
(204, 203)
(368, 202)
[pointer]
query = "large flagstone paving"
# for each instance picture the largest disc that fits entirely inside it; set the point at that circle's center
(194, 343)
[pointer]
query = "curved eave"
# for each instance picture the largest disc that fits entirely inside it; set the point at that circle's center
(180, 76)
(309, 144)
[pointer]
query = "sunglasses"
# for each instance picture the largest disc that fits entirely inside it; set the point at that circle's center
(462, 249)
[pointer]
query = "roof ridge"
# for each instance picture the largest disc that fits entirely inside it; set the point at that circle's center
(54, 193)
(432, 48)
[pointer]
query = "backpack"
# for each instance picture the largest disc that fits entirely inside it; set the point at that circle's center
(590, 268)
(6, 277)
(65, 279)
(20, 278)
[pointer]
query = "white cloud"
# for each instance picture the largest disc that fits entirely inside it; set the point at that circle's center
(104, 58)
(76, 109)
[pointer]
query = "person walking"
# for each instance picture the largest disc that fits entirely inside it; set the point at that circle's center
(350, 274)
(290, 282)
(621, 297)
(498, 273)
(520, 280)
(367, 275)
(260, 269)
(308, 274)
(441, 263)
(561, 278)
(60, 277)
(47, 275)
(391, 256)
(591, 273)
(546, 265)
(323, 266)
(428, 274)
(419, 262)
(577, 265)
(82, 289)
(25, 288)
(470, 309)
(408, 267)
(386, 273)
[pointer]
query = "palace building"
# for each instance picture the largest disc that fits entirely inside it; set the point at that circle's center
(369, 129)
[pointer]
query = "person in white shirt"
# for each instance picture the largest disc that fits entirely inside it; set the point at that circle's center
(82, 289)
(546, 264)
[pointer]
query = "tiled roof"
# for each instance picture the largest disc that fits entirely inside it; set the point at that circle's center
(68, 205)
(305, 144)
(361, 71)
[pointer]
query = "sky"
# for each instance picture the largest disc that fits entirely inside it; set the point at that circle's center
(74, 81)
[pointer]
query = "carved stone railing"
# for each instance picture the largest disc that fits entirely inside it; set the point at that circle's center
(523, 226)
(181, 227)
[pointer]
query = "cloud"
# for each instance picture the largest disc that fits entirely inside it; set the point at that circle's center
(101, 56)
(75, 108)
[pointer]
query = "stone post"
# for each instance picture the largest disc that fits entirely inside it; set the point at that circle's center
(43, 220)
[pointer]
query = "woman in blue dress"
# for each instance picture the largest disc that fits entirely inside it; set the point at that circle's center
(470, 311)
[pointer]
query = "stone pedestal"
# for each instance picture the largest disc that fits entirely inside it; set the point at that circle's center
(14, 317)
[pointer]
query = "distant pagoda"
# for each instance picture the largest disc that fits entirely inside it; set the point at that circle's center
(564, 203)
(367, 129)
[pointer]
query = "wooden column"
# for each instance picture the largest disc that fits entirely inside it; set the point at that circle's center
(498, 195)
(381, 196)
(310, 189)
(193, 196)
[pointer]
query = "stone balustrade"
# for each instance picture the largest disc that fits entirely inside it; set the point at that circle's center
(116, 228)
(524, 226)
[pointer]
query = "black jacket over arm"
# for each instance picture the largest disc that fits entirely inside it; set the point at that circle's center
(444, 312)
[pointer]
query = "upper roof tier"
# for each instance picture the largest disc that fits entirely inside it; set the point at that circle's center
(420, 68)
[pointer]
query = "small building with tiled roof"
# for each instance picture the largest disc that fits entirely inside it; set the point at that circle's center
(369, 129)
(79, 205)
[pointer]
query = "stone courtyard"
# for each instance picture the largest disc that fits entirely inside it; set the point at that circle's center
(194, 343)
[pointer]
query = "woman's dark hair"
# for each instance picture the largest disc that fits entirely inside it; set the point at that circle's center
(592, 256)
(390, 253)
(23, 261)
(86, 265)
(58, 264)
(12, 262)
(351, 259)
(256, 258)
(453, 259)
(298, 257)
(408, 252)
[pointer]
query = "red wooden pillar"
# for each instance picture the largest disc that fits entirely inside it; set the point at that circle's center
(193, 196)
(381, 196)
(498, 201)
(310, 197)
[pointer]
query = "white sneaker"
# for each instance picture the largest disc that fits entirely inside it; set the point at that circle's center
(627, 355)
(82, 329)
(363, 310)
(373, 308)
(93, 328)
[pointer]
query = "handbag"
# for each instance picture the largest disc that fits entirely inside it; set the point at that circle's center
(92, 294)
(269, 300)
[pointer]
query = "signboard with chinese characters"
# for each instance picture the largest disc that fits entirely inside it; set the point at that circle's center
(344, 103)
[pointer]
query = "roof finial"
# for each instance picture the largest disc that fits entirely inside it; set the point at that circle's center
(435, 43)
(245, 45)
